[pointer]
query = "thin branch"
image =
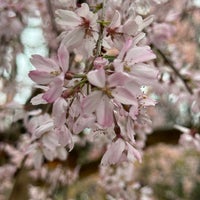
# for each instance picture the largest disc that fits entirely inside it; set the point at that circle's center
(52, 16)
(170, 64)
(100, 39)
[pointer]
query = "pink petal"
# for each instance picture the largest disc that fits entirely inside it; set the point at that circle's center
(118, 65)
(124, 96)
(104, 112)
(116, 20)
(59, 112)
(63, 58)
(125, 48)
(65, 137)
(90, 103)
(145, 73)
(146, 101)
(41, 77)
(83, 122)
(113, 153)
(67, 18)
(134, 85)
(118, 79)
(43, 64)
(97, 78)
(54, 91)
(38, 159)
(48, 126)
(74, 38)
(130, 27)
(139, 54)
(130, 130)
(38, 100)
(49, 140)
(133, 112)
(138, 38)
(146, 22)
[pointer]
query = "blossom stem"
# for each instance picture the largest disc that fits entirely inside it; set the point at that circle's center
(79, 76)
(80, 83)
(100, 39)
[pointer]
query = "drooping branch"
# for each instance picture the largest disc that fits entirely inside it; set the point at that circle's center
(170, 64)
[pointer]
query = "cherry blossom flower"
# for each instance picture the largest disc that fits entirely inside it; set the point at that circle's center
(81, 29)
(44, 140)
(190, 137)
(50, 73)
(99, 101)
(120, 151)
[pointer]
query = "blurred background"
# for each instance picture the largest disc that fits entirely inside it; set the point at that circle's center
(170, 169)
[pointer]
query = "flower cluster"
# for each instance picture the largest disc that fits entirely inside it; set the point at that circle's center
(100, 87)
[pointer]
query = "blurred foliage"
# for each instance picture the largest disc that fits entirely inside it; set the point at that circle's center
(173, 173)
(87, 189)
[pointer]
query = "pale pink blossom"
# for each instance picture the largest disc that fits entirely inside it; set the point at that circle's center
(64, 137)
(120, 151)
(100, 101)
(47, 140)
(49, 72)
(190, 138)
(81, 29)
